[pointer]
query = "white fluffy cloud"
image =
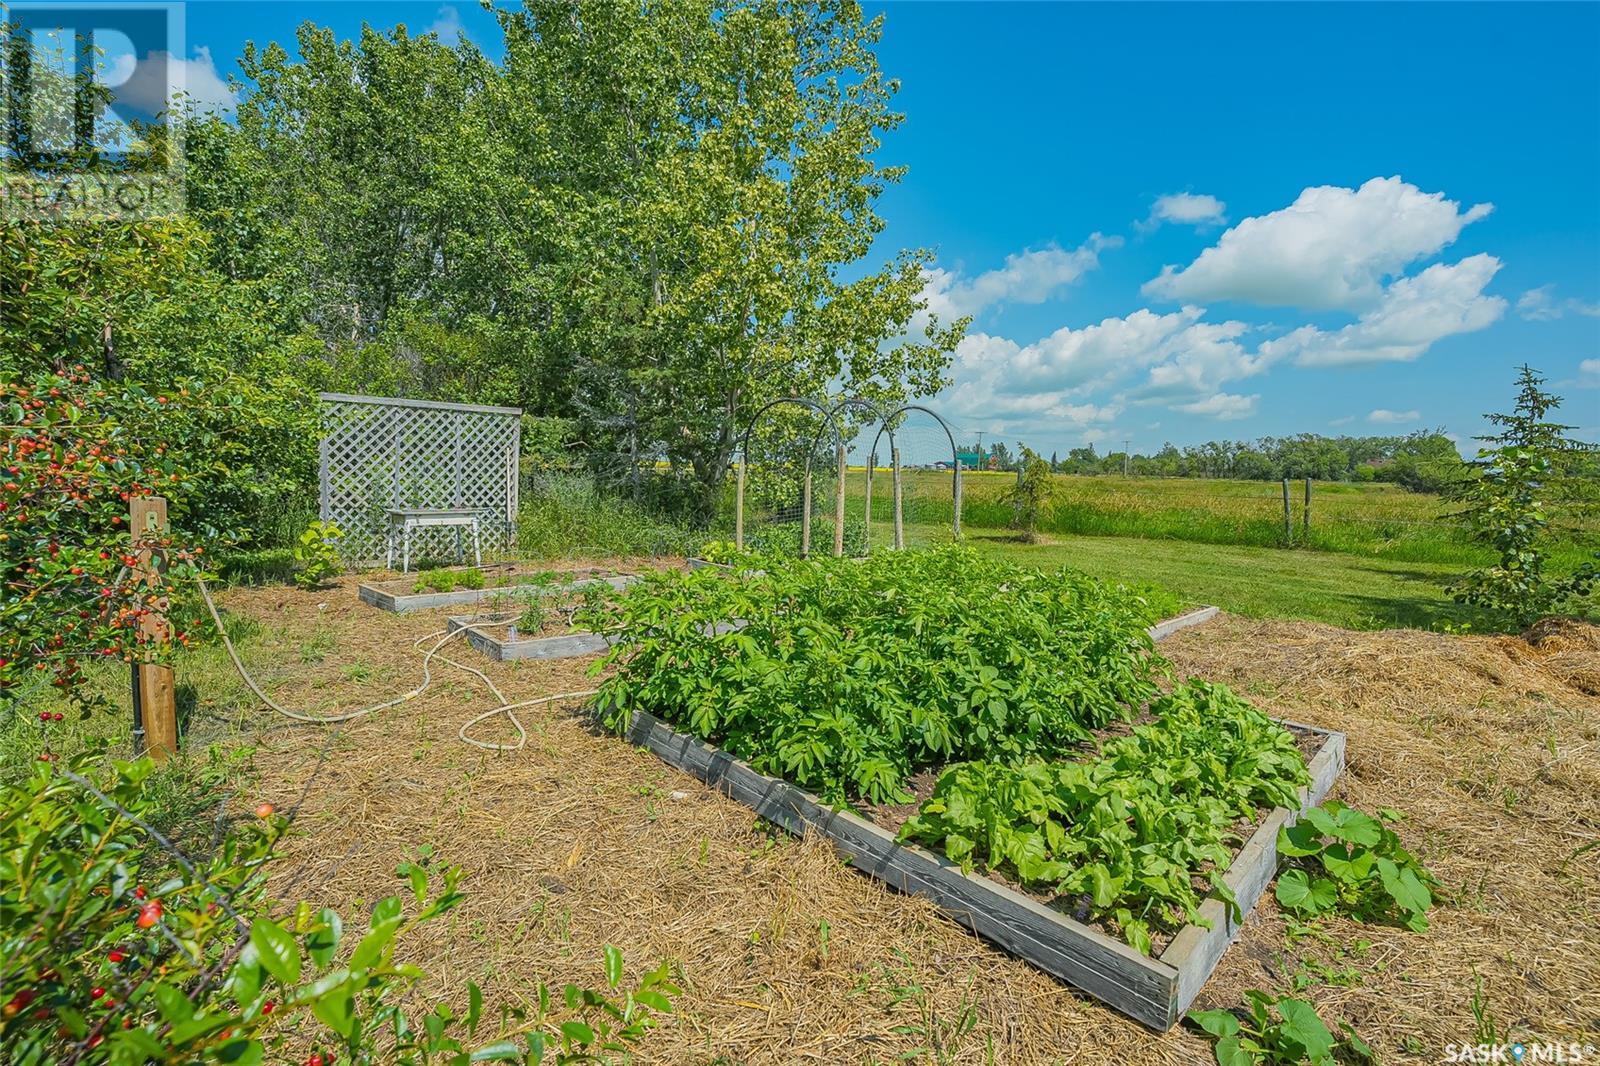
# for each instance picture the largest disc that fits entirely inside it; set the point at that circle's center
(1222, 406)
(447, 25)
(148, 86)
(1541, 305)
(1188, 209)
(1411, 316)
(1029, 277)
(1385, 417)
(1589, 374)
(1332, 249)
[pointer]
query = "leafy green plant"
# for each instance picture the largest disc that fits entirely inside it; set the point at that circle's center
(448, 580)
(845, 677)
(117, 948)
(720, 551)
(1343, 860)
(1278, 1032)
(1131, 830)
(317, 552)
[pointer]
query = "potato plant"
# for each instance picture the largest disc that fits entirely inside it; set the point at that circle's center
(848, 676)
(1132, 830)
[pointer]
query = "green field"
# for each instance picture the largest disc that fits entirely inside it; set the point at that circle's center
(1376, 556)
(1383, 521)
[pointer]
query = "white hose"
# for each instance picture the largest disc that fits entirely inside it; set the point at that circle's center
(445, 636)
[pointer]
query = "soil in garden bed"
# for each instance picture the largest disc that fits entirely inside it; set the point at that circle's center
(891, 816)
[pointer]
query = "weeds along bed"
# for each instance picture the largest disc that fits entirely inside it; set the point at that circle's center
(1018, 687)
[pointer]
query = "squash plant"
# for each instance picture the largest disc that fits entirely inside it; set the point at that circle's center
(1343, 860)
(1279, 1031)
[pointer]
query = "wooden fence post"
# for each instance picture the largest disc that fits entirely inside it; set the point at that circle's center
(805, 517)
(866, 530)
(899, 498)
(838, 507)
(1305, 515)
(154, 691)
(956, 495)
(1288, 527)
(738, 507)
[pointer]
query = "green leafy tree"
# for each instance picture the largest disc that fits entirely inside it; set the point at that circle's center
(1528, 486)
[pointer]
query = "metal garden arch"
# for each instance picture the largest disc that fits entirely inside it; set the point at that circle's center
(955, 467)
(805, 497)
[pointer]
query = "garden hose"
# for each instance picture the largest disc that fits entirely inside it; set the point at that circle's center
(444, 637)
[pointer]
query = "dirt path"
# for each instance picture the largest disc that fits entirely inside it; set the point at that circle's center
(579, 840)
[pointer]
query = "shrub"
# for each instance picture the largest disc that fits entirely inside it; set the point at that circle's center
(317, 552)
(117, 949)
(1030, 495)
(74, 454)
(568, 515)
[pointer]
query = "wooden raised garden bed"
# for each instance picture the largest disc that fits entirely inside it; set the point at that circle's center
(400, 595)
(493, 635)
(1156, 991)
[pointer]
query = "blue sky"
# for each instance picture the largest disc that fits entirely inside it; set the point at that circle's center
(1192, 221)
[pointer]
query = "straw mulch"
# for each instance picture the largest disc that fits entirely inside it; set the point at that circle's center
(1491, 744)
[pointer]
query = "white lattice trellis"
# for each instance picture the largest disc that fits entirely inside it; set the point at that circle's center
(380, 452)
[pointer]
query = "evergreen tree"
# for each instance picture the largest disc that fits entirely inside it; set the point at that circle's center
(1526, 486)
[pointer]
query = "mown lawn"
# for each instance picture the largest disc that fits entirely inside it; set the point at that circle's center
(1352, 591)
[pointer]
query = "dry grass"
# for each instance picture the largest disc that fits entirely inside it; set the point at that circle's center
(580, 840)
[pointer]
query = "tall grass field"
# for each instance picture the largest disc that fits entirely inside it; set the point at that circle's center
(1381, 521)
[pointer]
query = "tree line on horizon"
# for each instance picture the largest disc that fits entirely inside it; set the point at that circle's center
(1424, 461)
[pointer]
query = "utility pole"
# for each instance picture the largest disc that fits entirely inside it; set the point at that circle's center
(1127, 457)
(979, 463)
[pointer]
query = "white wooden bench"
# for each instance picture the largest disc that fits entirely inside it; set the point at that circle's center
(402, 520)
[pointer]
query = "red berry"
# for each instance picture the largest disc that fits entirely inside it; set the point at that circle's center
(315, 1060)
(115, 956)
(268, 1007)
(264, 810)
(138, 893)
(149, 914)
(96, 992)
(44, 716)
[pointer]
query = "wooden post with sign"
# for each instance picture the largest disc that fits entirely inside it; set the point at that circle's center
(154, 691)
